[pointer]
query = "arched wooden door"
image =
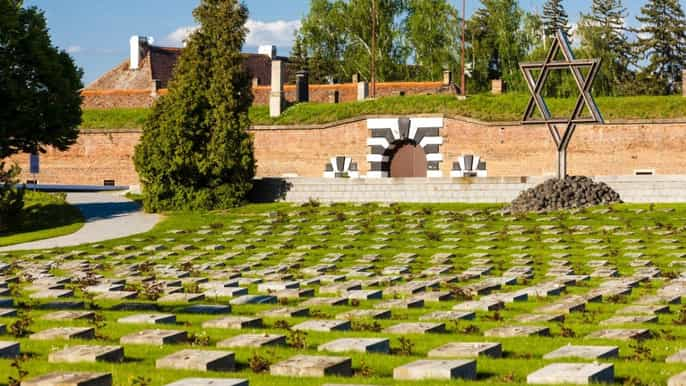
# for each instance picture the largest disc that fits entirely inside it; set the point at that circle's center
(409, 160)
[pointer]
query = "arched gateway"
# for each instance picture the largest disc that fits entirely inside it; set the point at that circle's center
(404, 147)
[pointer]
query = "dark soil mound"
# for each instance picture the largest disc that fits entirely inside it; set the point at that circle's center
(568, 193)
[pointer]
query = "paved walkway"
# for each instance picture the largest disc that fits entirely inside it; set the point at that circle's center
(108, 216)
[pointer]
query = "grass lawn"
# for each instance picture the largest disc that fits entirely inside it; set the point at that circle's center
(276, 242)
(45, 215)
(507, 107)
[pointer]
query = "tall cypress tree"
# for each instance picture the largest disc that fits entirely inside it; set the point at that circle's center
(603, 36)
(554, 17)
(196, 152)
(662, 40)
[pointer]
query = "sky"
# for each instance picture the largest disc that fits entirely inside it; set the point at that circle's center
(96, 32)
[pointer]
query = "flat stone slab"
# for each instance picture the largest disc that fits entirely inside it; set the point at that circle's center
(620, 334)
(253, 340)
(679, 357)
(323, 325)
(64, 333)
(254, 299)
(234, 322)
(84, 353)
(313, 366)
(154, 337)
(629, 319)
(69, 315)
(70, 379)
(573, 373)
(514, 331)
(415, 328)
(436, 369)
(210, 382)
(677, 380)
(364, 314)
(449, 315)
(377, 345)
(467, 350)
(584, 352)
(148, 319)
(198, 360)
(9, 349)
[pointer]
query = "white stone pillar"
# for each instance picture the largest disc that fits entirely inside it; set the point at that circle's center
(276, 98)
(362, 91)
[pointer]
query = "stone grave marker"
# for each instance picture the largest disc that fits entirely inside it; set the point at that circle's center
(64, 333)
(364, 345)
(467, 350)
(575, 373)
(70, 379)
(436, 369)
(84, 353)
(198, 360)
(584, 352)
(313, 366)
(155, 337)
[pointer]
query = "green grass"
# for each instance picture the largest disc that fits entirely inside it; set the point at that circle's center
(507, 107)
(45, 215)
(522, 355)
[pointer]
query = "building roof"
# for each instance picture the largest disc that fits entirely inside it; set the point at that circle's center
(158, 64)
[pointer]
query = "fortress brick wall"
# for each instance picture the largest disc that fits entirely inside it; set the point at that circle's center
(614, 149)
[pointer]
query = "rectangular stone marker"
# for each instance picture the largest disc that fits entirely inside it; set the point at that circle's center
(210, 382)
(64, 333)
(234, 322)
(83, 353)
(677, 380)
(629, 319)
(209, 309)
(620, 334)
(9, 349)
(286, 312)
(467, 350)
(416, 328)
(70, 379)
(313, 366)
(436, 369)
(538, 318)
(679, 357)
(365, 314)
(377, 345)
(514, 331)
(148, 319)
(253, 340)
(584, 352)
(254, 299)
(181, 298)
(449, 315)
(323, 325)
(69, 315)
(154, 337)
(573, 373)
(198, 360)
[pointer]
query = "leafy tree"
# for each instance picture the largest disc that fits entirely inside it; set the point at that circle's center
(196, 152)
(497, 43)
(322, 36)
(432, 32)
(554, 18)
(40, 102)
(662, 40)
(603, 36)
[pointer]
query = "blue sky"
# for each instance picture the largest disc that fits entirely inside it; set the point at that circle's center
(96, 32)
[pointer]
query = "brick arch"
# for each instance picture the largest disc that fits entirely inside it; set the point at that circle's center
(385, 134)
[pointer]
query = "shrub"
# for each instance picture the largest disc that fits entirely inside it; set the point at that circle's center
(11, 198)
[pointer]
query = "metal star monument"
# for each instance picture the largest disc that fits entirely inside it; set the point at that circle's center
(585, 100)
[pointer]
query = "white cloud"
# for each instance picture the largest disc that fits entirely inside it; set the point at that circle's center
(279, 33)
(74, 49)
(177, 37)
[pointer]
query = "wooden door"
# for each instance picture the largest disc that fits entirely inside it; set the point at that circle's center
(409, 160)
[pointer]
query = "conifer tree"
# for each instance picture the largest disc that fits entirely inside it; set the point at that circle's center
(196, 152)
(662, 40)
(554, 18)
(603, 36)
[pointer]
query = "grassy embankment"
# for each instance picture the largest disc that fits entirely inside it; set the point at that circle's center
(508, 107)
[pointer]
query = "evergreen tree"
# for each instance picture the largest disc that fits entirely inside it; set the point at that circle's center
(662, 40)
(603, 36)
(196, 152)
(554, 18)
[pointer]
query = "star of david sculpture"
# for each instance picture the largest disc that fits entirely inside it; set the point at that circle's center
(584, 102)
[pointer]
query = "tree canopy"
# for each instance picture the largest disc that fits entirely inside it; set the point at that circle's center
(196, 152)
(40, 102)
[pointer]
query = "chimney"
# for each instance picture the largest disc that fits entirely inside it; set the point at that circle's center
(268, 50)
(138, 46)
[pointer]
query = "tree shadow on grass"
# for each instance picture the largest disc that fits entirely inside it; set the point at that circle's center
(106, 210)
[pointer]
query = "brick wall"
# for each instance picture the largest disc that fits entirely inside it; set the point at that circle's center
(508, 149)
(107, 99)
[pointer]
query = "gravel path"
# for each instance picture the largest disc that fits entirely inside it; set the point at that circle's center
(108, 216)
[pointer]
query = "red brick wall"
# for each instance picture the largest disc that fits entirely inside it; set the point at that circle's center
(107, 99)
(509, 150)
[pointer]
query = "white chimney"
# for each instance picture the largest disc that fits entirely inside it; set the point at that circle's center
(268, 50)
(138, 44)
